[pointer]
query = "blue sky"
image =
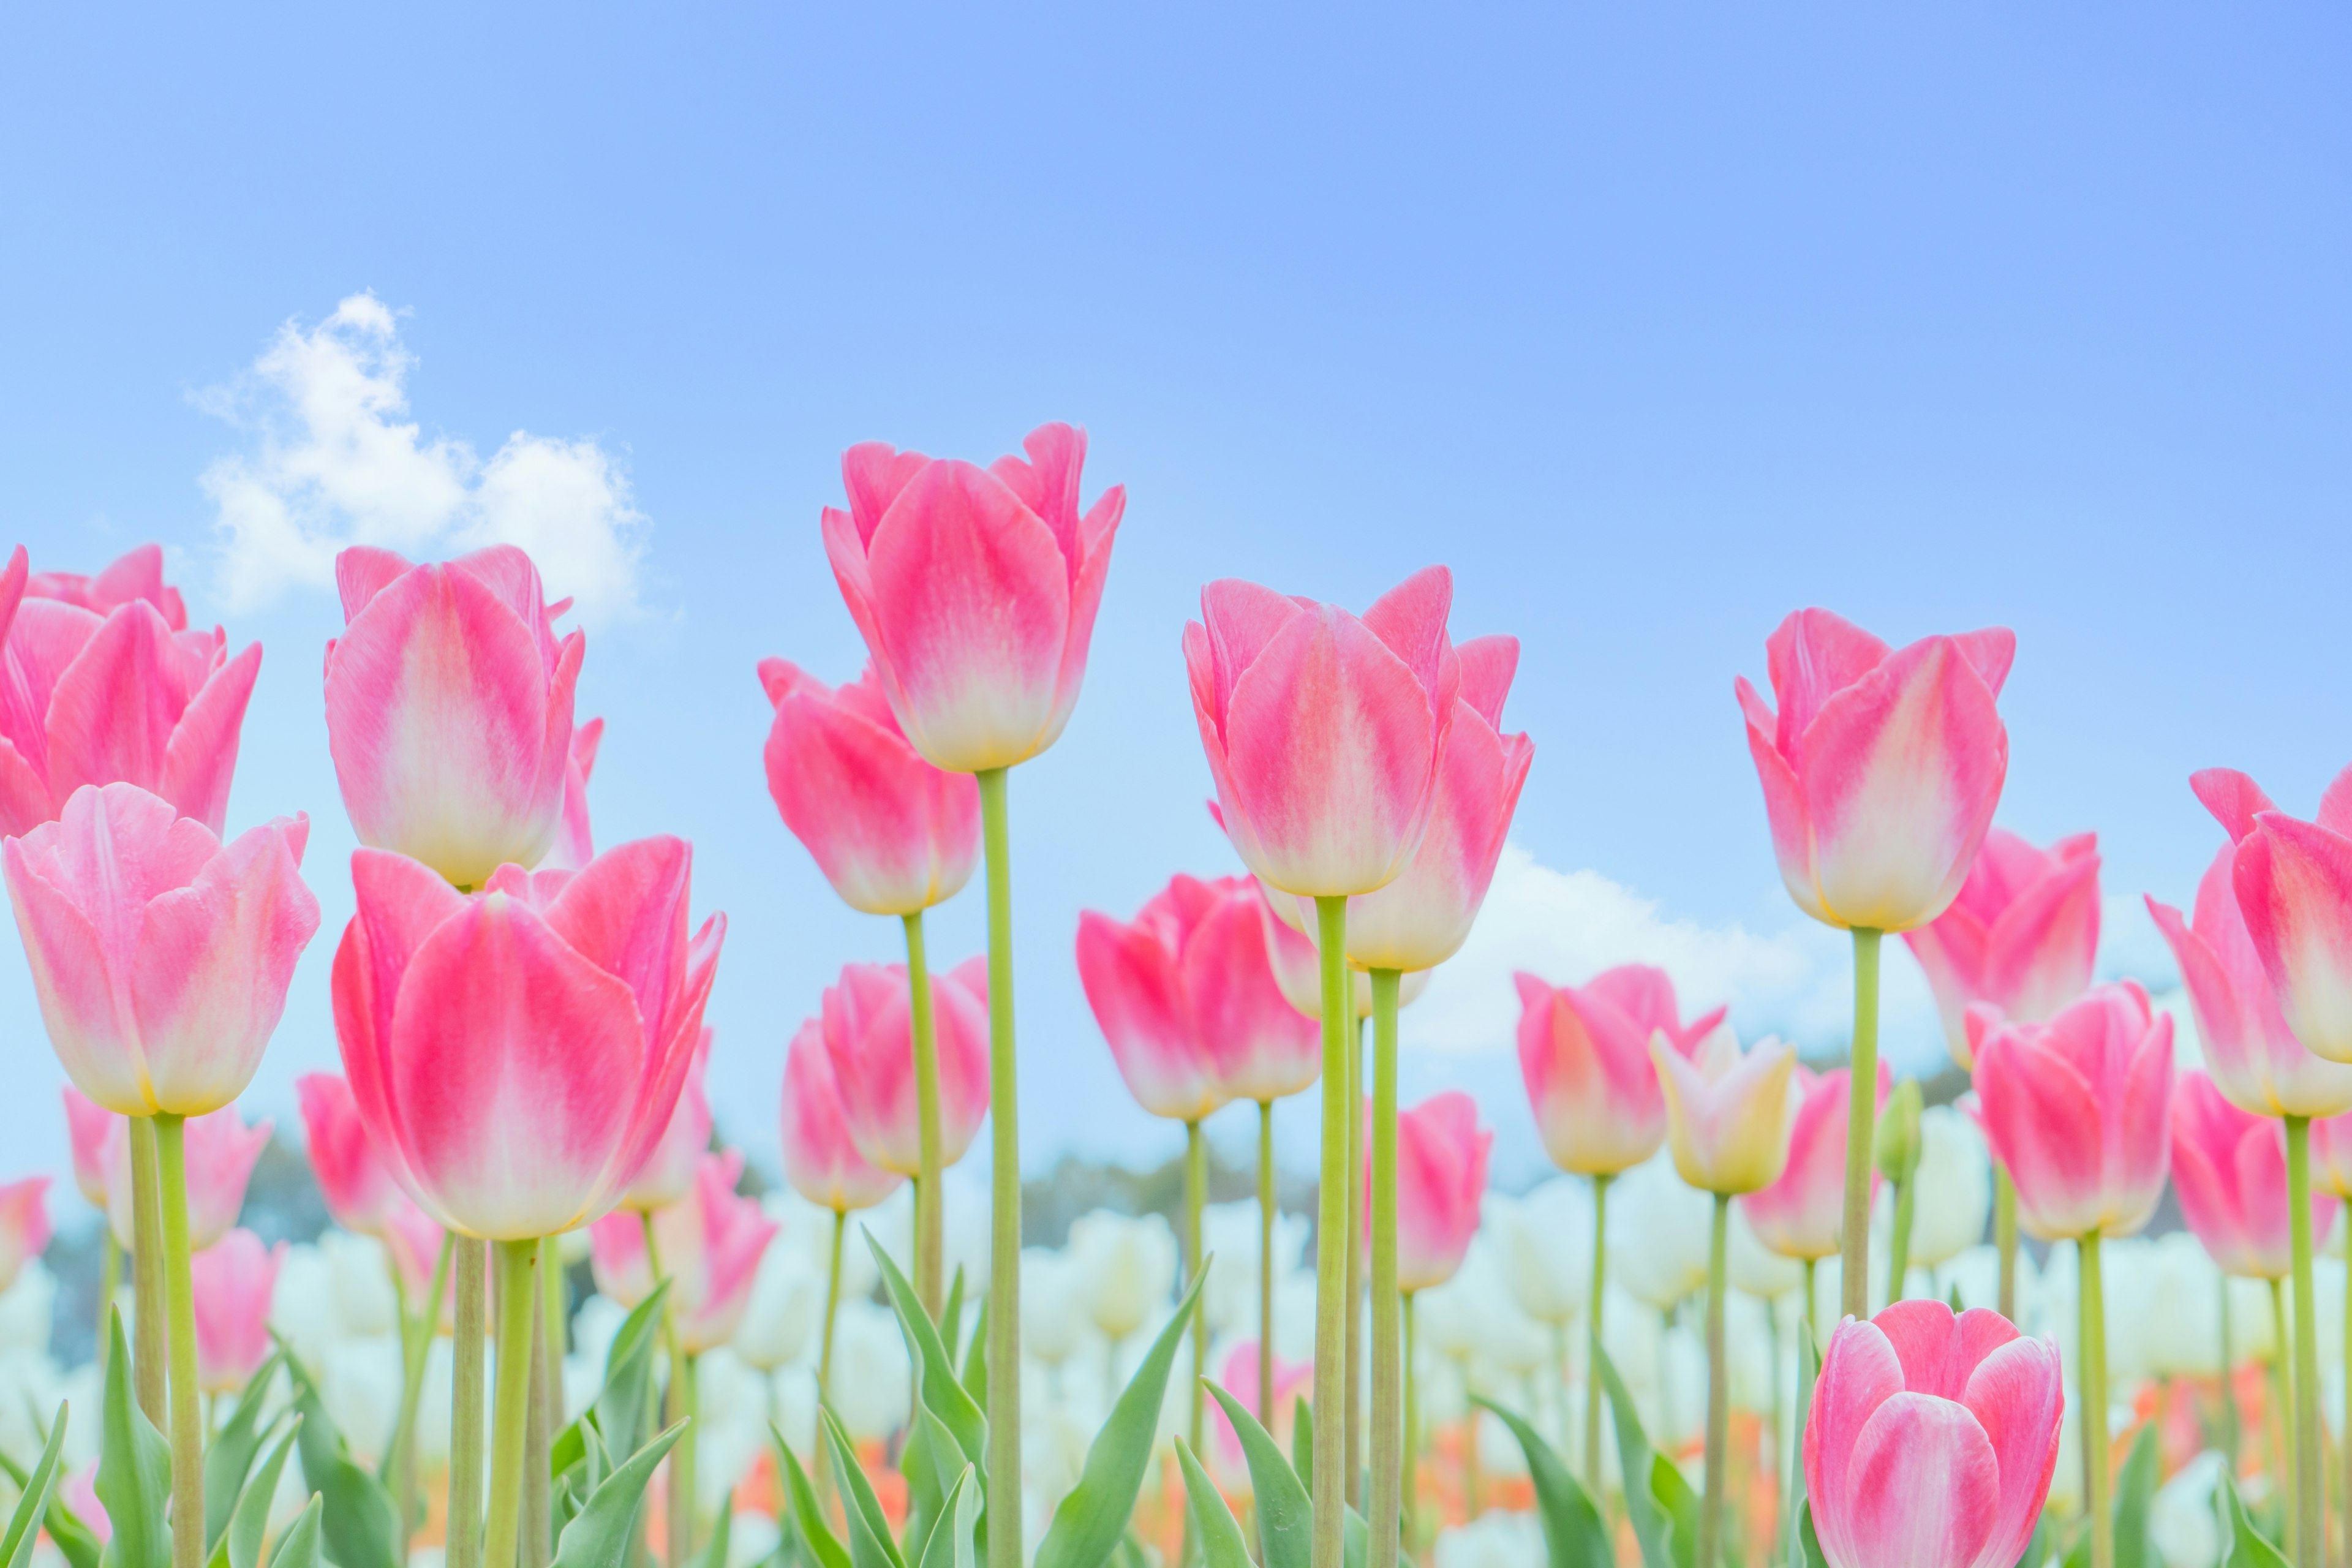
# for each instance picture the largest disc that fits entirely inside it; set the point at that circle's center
(1652, 325)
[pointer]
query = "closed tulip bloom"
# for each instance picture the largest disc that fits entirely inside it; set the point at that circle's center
(449, 709)
(221, 1151)
(1441, 1176)
(1298, 974)
(137, 573)
(122, 693)
(88, 1126)
(1933, 1439)
(892, 834)
(1881, 768)
(1324, 733)
(23, 1224)
(1802, 1214)
(517, 1054)
(1584, 1051)
(711, 1242)
(358, 1186)
(870, 1029)
(667, 1175)
(2295, 888)
(2079, 1110)
(2022, 935)
(821, 1159)
(1726, 1110)
(976, 590)
(576, 838)
(233, 1279)
(2229, 1166)
(160, 957)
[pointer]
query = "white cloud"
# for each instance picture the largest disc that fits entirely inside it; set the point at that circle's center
(334, 461)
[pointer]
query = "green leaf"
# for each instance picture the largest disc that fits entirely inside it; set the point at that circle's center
(951, 1315)
(1574, 1536)
(2078, 1555)
(1812, 1541)
(1679, 1503)
(1653, 1526)
(2135, 1489)
(1302, 1442)
(2247, 1548)
(230, 1455)
(1286, 1516)
(926, 1462)
(808, 1514)
(299, 1548)
(870, 1546)
(935, 1380)
(1222, 1541)
(975, 1360)
(950, 1545)
(135, 1469)
(599, 1536)
(361, 1528)
(75, 1540)
(624, 1407)
(715, 1555)
(16, 1545)
(1090, 1519)
(240, 1543)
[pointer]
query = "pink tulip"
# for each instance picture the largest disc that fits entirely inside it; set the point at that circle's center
(821, 1159)
(220, 1152)
(892, 834)
(1726, 1110)
(78, 1492)
(1880, 770)
(122, 693)
(516, 1054)
(869, 1030)
(361, 1193)
(161, 958)
(710, 1243)
(449, 709)
(1298, 974)
(575, 839)
(2295, 889)
(1325, 733)
(667, 1175)
(1584, 1052)
(23, 1224)
(136, 575)
(1803, 1215)
(88, 1126)
(1239, 1379)
(976, 589)
(1441, 1177)
(2079, 1110)
(2230, 1167)
(233, 1280)
(1933, 1439)
(2022, 935)
(2331, 1159)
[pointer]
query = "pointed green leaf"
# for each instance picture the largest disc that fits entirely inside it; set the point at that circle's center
(1812, 1540)
(952, 1544)
(1222, 1541)
(75, 1540)
(249, 1522)
(16, 1545)
(599, 1536)
(2247, 1547)
(1286, 1515)
(1653, 1527)
(135, 1469)
(975, 1360)
(932, 1463)
(1302, 1442)
(951, 1315)
(935, 1371)
(870, 1546)
(714, 1555)
(624, 1407)
(2135, 1490)
(300, 1547)
(361, 1525)
(808, 1514)
(1679, 1503)
(231, 1452)
(1574, 1536)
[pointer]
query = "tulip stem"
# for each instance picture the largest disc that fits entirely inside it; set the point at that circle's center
(472, 1261)
(1329, 1485)
(1898, 1247)
(110, 1282)
(1351, 1407)
(2092, 1338)
(2004, 1237)
(1004, 1179)
(825, 1351)
(1601, 1181)
(2282, 1384)
(1388, 1370)
(1808, 1363)
(1861, 1124)
(1196, 1197)
(1409, 1479)
(552, 1330)
(2230, 1437)
(929, 1228)
(1265, 1216)
(1718, 1388)
(680, 1462)
(2310, 1496)
(537, 1544)
(149, 1314)
(518, 1264)
(415, 1345)
(187, 1419)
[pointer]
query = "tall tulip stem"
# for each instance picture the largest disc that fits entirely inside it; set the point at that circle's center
(832, 1308)
(2283, 1385)
(518, 1265)
(1898, 1241)
(1332, 1241)
(2093, 1337)
(1388, 1349)
(1861, 1124)
(188, 1416)
(930, 1230)
(1592, 1336)
(2230, 1382)
(416, 1332)
(2310, 1496)
(110, 1282)
(472, 1261)
(150, 1314)
(680, 1463)
(1196, 1199)
(2004, 1237)
(1408, 1481)
(1718, 1388)
(1265, 1216)
(1351, 1408)
(1004, 1180)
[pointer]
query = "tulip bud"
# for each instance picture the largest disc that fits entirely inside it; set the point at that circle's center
(1896, 1150)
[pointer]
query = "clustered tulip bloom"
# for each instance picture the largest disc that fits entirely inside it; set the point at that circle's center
(1726, 1110)
(1441, 1177)
(2229, 1166)
(2294, 880)
(233, 1280)
(23, 1224)
(710, 1243)
(221, 1151)
(869, 1021)
(1801, 1214)
(1584, 1051)
(2022, 935)
(821, 1158)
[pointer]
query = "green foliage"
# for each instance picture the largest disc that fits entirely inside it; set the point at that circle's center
(2246, 1546)
(239, 1543)
(75, 1540)
(598, 1536)
(624, 1406)
(935, 1377)
(870, 1546)
(2135, 1490)
(134, 1468)
(1222, 1541)
(37, 1489)
(300, 1548)
(1302, 1441)
(361, 1527)
(714, 1553)
(808, 1515)
(1286, 1515)
(230, 1454)
(1574, 1536)
(950, 1545)
(1812, 1541)
(1651, 1518)
(975, 1360)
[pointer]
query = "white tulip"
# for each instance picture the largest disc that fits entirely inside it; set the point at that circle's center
(963, 1233)
(1754, 1269)
(1658, 1229)
(1229, 1233)
(787, 1305)
(1128, 1269)
(1498, 1539)
(2182, 1524)
(872, 1381)
(752, 1538)
(304, 1307)
(359, 1270)
(2184, 1340)
(1054, 1325)
(1546, 1243)
(360, 1384)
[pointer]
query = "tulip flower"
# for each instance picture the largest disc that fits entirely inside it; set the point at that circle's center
(667, 1176)
(2021, 934)
(708, 1243)
(1800, 1214)
(221, 1151)
(358, 1186)
(2294, 882)
(822, 1161)
(869, 1030)
(233, 1282)
(1933, 1439)
(137, 573)
(2229, 1169)
(23, 1224)
(88, 1126)
(575, 839)
(1440, 1175)
(1298, 974)
(1246, 1373)
(450, 709)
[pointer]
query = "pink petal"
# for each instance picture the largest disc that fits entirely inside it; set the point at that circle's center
(2040, 949)
(362, 572)
(1811, 657)
(2017, 1395)
(1489, 665)
(1859, 1373)
(114, 709)
(872, 473)
(2335, 806)
(200, 761)
(1239, 620)
(2233, 799)
(1924, 1491)
(2042, 1121)
(1785, 811)
(2295, 888)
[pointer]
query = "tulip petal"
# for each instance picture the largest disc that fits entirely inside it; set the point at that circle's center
(1940, 1348)
(1859, 1373)
(2017, 1395)
(1811, 657)
(872, 475)
(1489, 665)
(2042, 1121)
(200, 760)
(2295, 888)
(1925, 1487)
(362, 572)
(2335, 804)
(2040, 951)
(2234, 799)
(625, 913)
(1785, 811)
(112, 713)
(1238, 619)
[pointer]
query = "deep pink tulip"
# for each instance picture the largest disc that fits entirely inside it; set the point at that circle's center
(870, 1031)
(1188, 1000)
(1441, 1177)
(220, 1152)
(2022, 935)
(1239, 1379)
(1803, 1215)
(1298, 974)
(1726, 1110)
(516, 1054)
(161, 958)
(2079, 1110)
(892, 834)
(1325, 733)
(2295, 889)
(576, 838)
(138, 573)
(88, 1126)
(449, 709)
(1933, 1439)
(1880, 769)
(821, 1159)
(119, 694)
(976, 589)
(23, 1224)
(667, 1175)
(1584, 1051)
(710, 1243)
(2229, 1166)
(233, 1280)
(361, 1195)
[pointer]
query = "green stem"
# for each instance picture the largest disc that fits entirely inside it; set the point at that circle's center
(1861, 1124)
(538, 1541)
(1564, 1429)
(1196, 1199)
(109, 1284)
(187, 1417)
(518, 1264)
(2282, 1381)
(1898, 1249)
(1329, 1486)
(2344, 1439)
(149, 1317)
(2094, 1341)
(415, 1345)
(684, 1503)
(2004, 1236)
(1812, 1311)
(552, 1330)
(1808, 1362)
(1409, 1468)
(1592, 1336)
(680, 1463)
(472, 1261)
(1388, 1349)
(930, 1230)
(1004, 1179)
(2310, 1494)
(1265, 1216)
(1718, 1389)
(825, 1345)
(1351, 1407)
(2230, 1436)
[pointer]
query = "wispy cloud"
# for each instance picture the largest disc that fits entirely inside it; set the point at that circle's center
(334, 459)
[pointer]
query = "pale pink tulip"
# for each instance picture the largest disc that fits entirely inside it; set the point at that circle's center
(161, 958)
(517, 1054)
(1933, 1439)
(1325, 733)
(1298, 974)
(233, 1279)
(2295, 889)
(78, 1492)
(976, 590)
(667, 1175)
(576, 838)
(821, 1159)
(892, 834)
(361, 1193)
(1584, 1051)
(88, 1126)
(870, 1029)
(2079, 1110)
(107, 685)
(1726, 1110)
(219, 1149)
(710, 1243)
(23, 1224)
(1239, 1379)
(2229, 1165)
(1880, 769)
(2022, 935)
(1803, 1215)
(449, 709)
(1441, 1177)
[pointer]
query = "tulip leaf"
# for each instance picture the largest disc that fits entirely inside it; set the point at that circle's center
(599, 1535)
(299, 1546)
(951, 1314)
(1222, 1545)
(1679, 1504)
(1812, 1541)
(361, 1528)
(1302, 1441)
(975, 1362)
(870, 1543)
(230, 1455)
(823, 1547)
(2135, 1490)
(16, 1545)
(74, 1538)
(935, 1371)
(624, 1407)
(1286, 1517)
(2247, 1548)
(950, 1543)
(1091, 1517)
(1654, 1527)
(932, 1464)
(1574, 1536)
(249, 1522)
(714, 1555)
(135, 1469)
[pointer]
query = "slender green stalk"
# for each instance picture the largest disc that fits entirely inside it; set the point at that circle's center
(1592, 1337)
(150, 1316)
(187, 1419)
(1808, 1362)
(1813, 1312)
(1898, 1247)
(1718, 1389)
(2283, 1384)
(1332, 1241)
(415, 1346)
(518, 1265)
(1265, 1216)
(2093, 1339)
(1388, 1350)
(2344, 1439)
(552, 1329)
(2004, 1236)
(1351, 1407)
(1004, 1179)
(538, 1539)
(109, 1284)
(679, 1521)
(684, 1503)
(471, 1259)
(1861, 1122)
(1408, 1483)
(2230, 1436)
(1196, 1197)
(2310, 1489)
(1565, 1424)
(930, 1227)
(825, 1347)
